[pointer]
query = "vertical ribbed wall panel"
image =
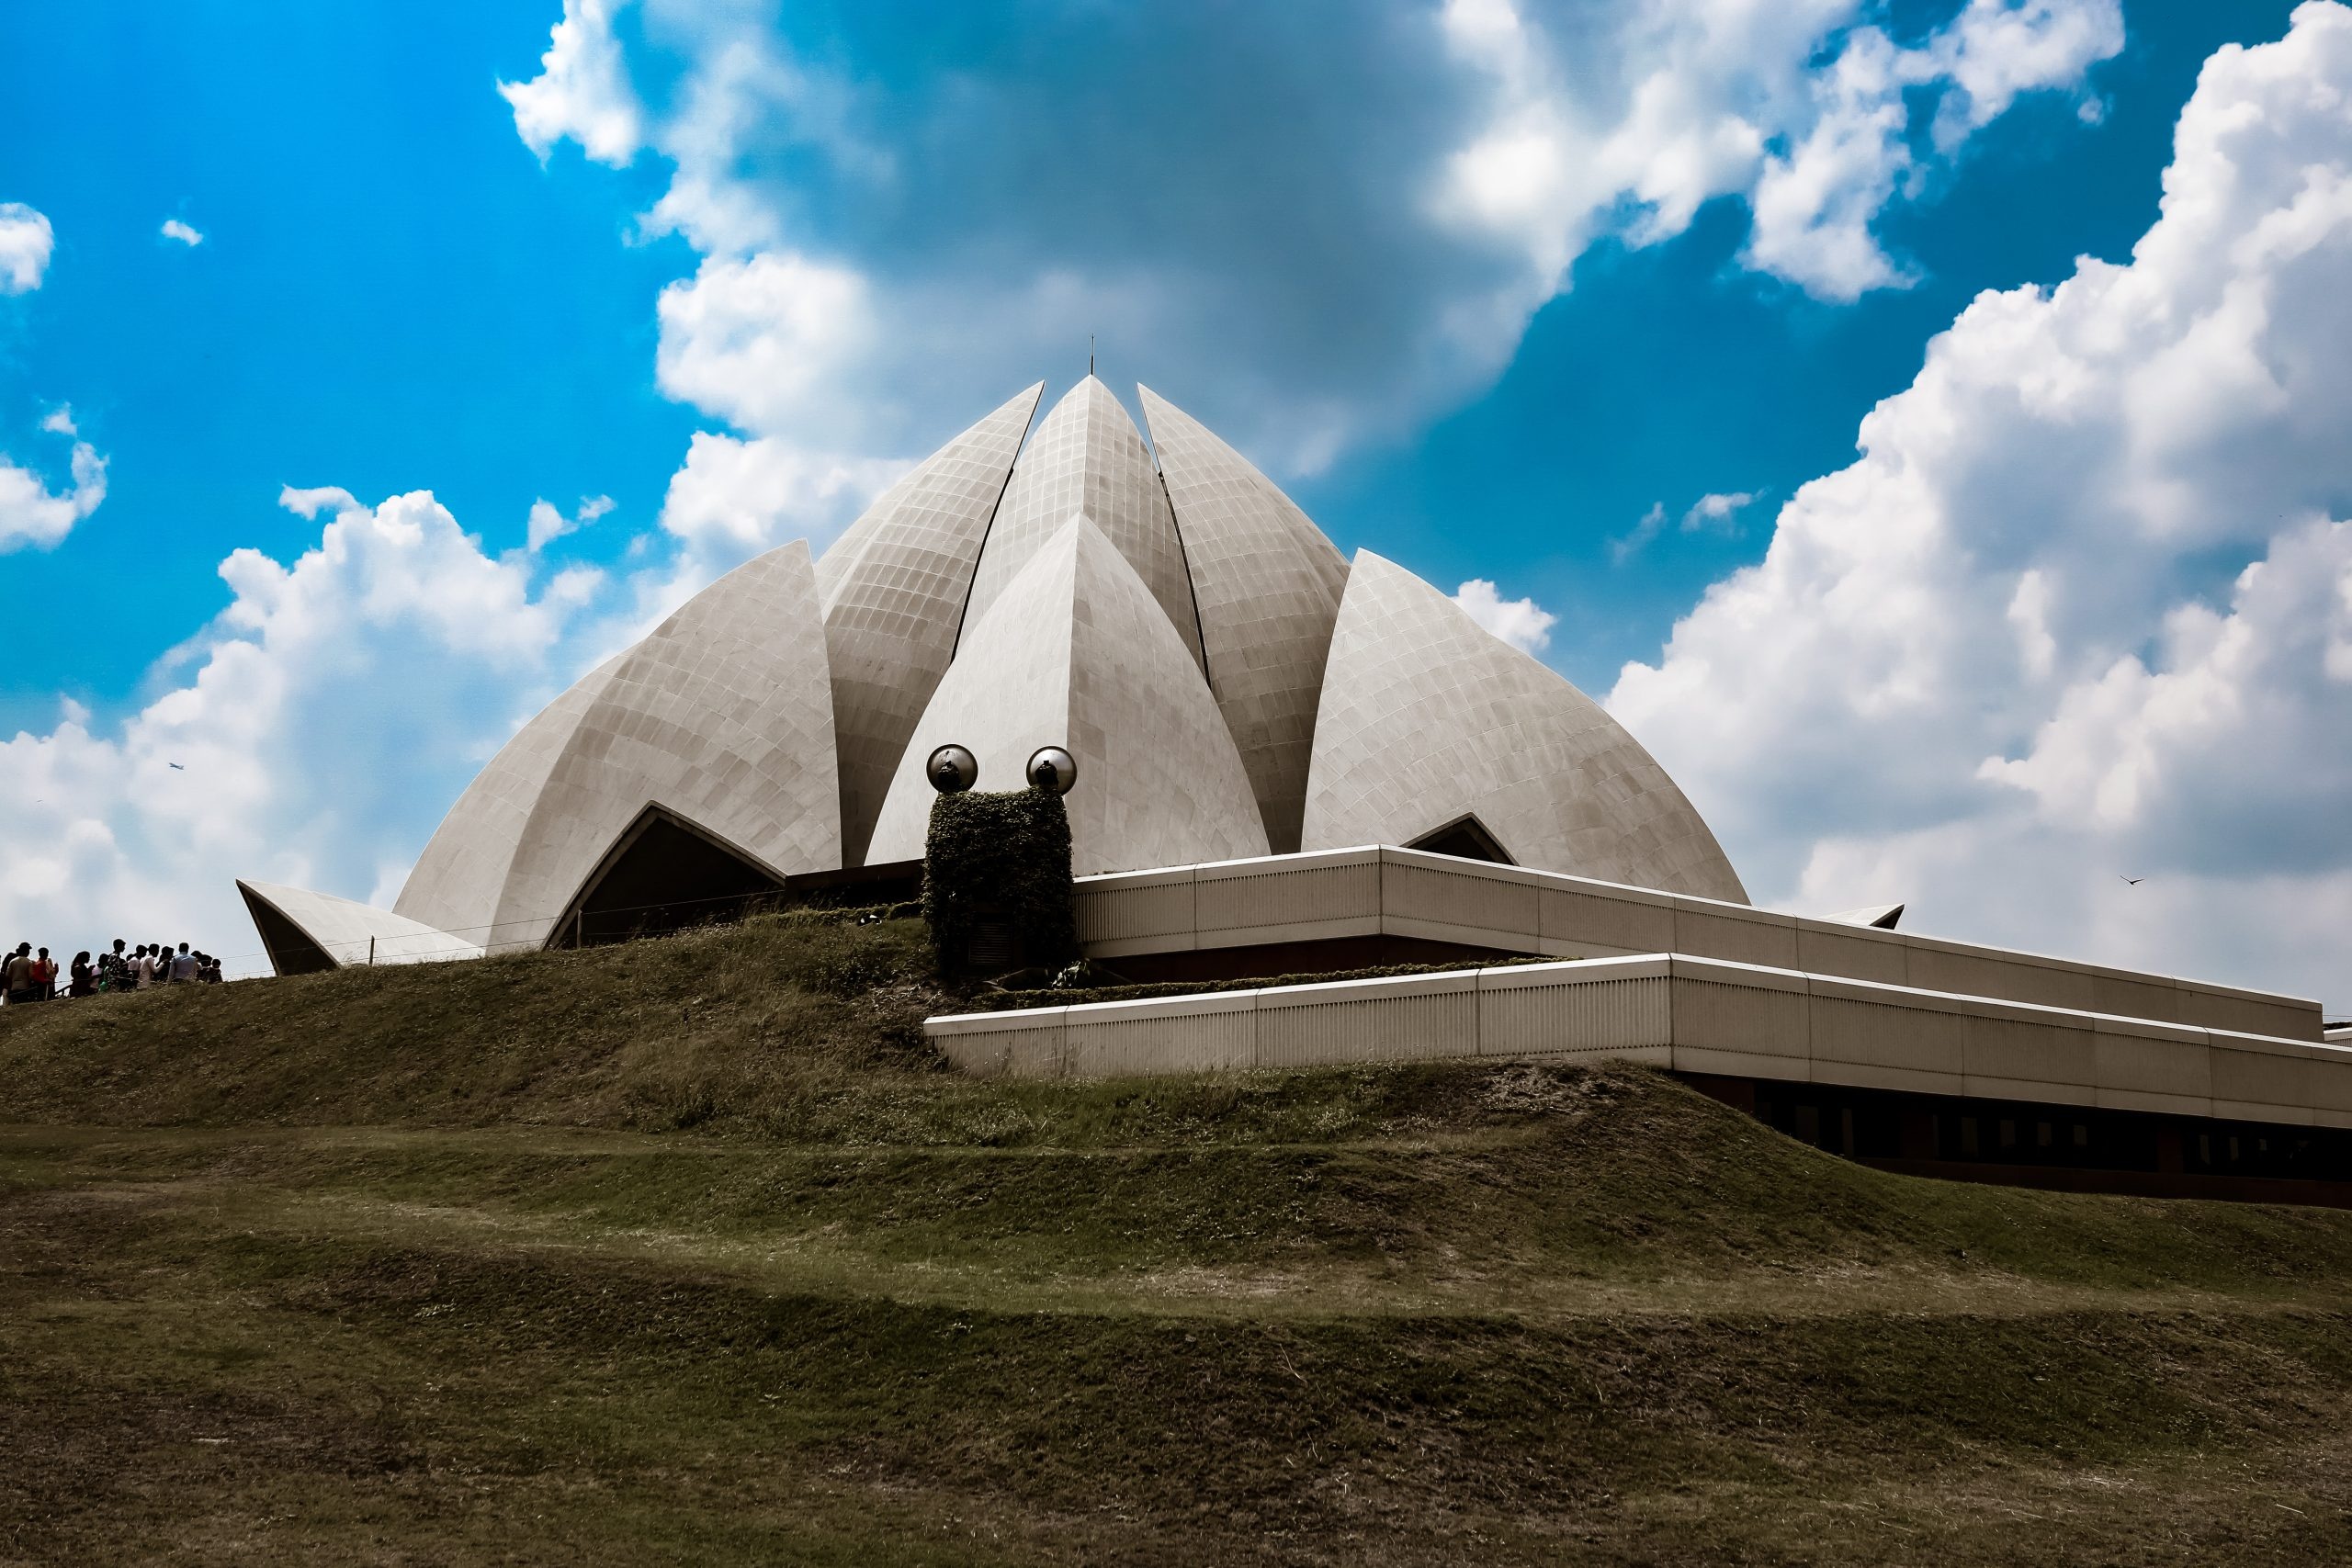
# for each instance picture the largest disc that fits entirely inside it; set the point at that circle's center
(1741, 1030)
(1172, 1043)
(1136, 911)
(1003, 1045)
(1338, 893)
(1869, 1045)
(1485, 904)
(1571, 1018)
(1368, 1027)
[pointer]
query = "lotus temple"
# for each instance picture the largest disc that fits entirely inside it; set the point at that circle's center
(1287, 763)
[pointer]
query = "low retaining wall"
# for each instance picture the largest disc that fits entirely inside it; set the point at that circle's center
(1695, 1015)
(1337, 894)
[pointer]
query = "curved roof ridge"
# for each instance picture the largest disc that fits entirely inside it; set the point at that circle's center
(894, 589)
(454, 885)
(343, 931)
(1426, 716)
(1266, 599)
(724, 717)
(1087, 455)
(964, 477)
(1076, 652)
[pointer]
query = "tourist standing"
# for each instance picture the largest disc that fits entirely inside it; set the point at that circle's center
(19, 974)
(44, 977)
(143, 968)
(82, 980)
(114, 969)
(183, 967)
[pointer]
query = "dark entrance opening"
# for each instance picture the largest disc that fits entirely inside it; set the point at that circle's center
(1464, 838)
(290, 951)
(663, 875)
(2067, 1147)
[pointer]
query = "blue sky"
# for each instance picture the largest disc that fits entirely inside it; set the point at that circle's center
(391, 295)
(1437, 267)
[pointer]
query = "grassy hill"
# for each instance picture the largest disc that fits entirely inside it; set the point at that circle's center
(691, 1252)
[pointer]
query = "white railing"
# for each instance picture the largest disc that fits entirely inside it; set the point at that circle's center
(1409, 893)
(1691, 1014)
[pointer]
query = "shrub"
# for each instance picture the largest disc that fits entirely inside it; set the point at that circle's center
(996, 883)
(1055, 994)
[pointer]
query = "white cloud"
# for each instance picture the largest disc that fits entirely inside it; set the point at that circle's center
(765, 342)
(1632, 543)
(187, 235)
(547, 524)
(583, 90)
(881, 257)
(337, 706)
(1717, 512)
(30, 513)
(733, 499)
(1803, 107)
(1992, 665)
(25, 240)
(1521, 623)
(1712, 514)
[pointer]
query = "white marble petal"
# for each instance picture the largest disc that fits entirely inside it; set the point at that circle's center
(1087, 457)
(1426, 717)
(456, 882)
(724, 717)
(894, 587)
(347, 931)
(1267, 585)
(1076, 653)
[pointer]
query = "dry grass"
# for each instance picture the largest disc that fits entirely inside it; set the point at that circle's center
(690, 1251)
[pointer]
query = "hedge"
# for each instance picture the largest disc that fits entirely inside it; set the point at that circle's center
(1059, 996)
(996, 883)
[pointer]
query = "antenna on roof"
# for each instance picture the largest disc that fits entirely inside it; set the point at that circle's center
(1089, 354)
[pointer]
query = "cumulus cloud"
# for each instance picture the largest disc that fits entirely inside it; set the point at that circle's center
(185, 233)
(1807, 108)
(736, 498)
(335, 708)
(582, 92)
(25, 240)
(546, 524)
(764, 341)
(885, 251)
(1521, 623)
(2083, 607)
(33, 515)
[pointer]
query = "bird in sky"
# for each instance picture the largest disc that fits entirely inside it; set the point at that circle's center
(179, 767)
(2128, 881)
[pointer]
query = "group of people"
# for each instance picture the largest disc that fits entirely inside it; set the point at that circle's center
(31, 972)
